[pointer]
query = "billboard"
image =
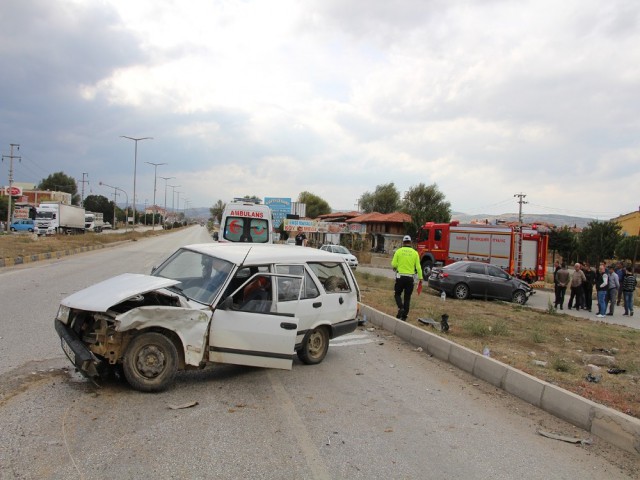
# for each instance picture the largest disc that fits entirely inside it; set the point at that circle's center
(280, 208)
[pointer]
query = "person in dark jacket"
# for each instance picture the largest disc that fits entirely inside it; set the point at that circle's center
(590, 275)
(629, 285)
(620, 271)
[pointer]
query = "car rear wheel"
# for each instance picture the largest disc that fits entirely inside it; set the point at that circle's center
(519, 297)
(427, 265)
(150, 362)
(461, 291)
(314, 346)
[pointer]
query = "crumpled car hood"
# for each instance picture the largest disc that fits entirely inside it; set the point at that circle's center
(101, 296)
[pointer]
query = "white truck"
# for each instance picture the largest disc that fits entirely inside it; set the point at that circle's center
(57, 217)
(93, 222)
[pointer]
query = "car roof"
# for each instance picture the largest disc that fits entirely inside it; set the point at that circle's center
(256, 254)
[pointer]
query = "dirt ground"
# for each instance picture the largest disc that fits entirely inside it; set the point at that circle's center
(551, 346)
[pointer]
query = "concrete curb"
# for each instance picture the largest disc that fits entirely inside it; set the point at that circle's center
(11, 262)
(615, 427)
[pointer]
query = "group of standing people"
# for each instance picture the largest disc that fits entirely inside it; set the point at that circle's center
(613, 285)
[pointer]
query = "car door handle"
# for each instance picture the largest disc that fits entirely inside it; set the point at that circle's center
(288, 326)
(341, 300)
(317, 304)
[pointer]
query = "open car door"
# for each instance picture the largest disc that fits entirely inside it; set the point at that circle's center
(246, 328)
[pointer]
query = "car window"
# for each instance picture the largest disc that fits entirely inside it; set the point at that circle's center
(475, 268)
(423, 235)
(438, 235)
(332, 276)
(255, 296)
(287, 290)
(496, 272)
(259, 230)
(201, 276)
(240, 229)
(341, 249)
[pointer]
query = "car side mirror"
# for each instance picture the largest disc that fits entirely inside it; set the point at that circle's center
(153, 269)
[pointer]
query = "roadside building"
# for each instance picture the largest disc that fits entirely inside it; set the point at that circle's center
(630, 222)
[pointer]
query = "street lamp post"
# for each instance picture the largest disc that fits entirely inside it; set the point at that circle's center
(164, 216)
(155, 176)
(114, 204)
(173, 198)
(135, 165)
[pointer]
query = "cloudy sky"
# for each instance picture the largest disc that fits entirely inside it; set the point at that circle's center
(270, 98)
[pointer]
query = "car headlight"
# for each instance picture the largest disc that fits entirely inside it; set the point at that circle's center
(63, 314)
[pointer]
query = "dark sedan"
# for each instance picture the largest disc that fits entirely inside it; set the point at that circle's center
(475, 279)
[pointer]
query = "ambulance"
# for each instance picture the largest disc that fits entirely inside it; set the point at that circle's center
(244, 221)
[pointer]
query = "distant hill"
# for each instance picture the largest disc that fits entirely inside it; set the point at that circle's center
(557, 220)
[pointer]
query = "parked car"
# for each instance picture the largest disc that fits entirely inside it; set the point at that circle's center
(291, 241)
(238, 303)
(476, 279)
(106, 226)
(23, 225)
(350, 258)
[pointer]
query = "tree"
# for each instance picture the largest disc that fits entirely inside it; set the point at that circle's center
(61, 183)
(252, 199)
(565, 242)
(385, 199)
(425, 204)
(316, 206)
(99, 204)
(4, 205)
(628, 248)
(598, 241)
(217, 209)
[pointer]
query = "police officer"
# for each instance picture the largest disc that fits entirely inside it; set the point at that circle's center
(406, 264)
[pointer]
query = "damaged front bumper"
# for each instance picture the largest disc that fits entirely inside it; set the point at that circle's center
(77, 352)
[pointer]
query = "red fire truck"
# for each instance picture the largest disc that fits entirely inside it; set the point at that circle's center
(518, 250)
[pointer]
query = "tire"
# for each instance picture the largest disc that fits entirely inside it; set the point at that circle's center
(519, 297)
(314, 346)
(461, 291)
(150, 362)
(427, 265)
(13, 229)
(31, 230)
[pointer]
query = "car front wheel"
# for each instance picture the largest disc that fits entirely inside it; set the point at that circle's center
(519, 297)
(314, 346)
(461, 291)
(150, 362)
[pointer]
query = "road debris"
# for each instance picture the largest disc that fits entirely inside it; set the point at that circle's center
(555, 436)
(616, 371)
(593, 378)
(184, 405)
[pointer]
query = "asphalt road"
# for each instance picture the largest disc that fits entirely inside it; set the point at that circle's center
(375, 408)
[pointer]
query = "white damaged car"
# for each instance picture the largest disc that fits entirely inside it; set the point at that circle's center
(235, 303)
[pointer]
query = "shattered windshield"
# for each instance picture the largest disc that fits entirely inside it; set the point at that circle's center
(201, 276)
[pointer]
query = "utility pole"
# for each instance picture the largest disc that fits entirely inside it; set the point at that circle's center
(519, 232)
(521, 202)
(83, 182)
(155, 176)
(11, 156)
